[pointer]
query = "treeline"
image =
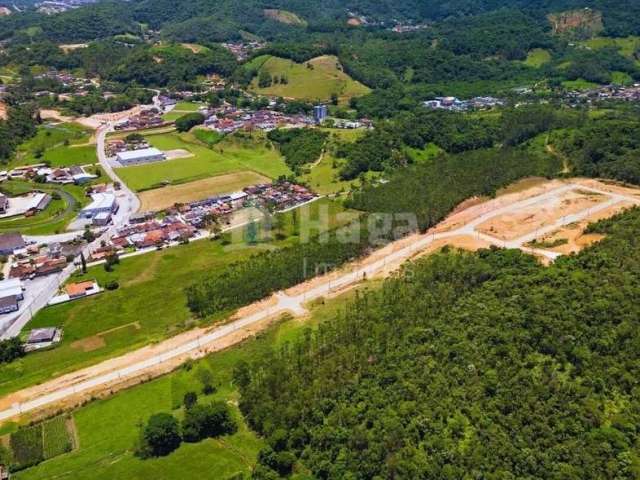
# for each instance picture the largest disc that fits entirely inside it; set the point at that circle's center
(431, 190)
(383, 148)
(19, 126)
(483, 365)
(114, 61)
(248, 281)
(299, 146)
(607, 147)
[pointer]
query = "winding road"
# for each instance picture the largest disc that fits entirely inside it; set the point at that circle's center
(135, 364)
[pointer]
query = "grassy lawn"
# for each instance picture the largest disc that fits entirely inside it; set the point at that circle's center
(537, 58)
(324, 176)
(427, 153)
(233, 154)
(627, 45)
(317, 79)
(107, 456)
(181, 108)
(55, 218)
(61, 144)
(579, 84)
(621, 78)
(112, 323)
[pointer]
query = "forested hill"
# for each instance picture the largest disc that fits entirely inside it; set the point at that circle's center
(484, 366)
(228, 19)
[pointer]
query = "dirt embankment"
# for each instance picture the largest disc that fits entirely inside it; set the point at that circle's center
(582, 23)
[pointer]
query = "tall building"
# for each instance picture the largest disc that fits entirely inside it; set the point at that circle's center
(320, 112)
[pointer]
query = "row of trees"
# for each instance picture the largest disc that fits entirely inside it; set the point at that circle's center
(483, 365)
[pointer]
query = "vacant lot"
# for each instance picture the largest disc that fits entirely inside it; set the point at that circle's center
(317, 79)
(120, 414)
(514, 225)
(161, 198)
(538, 57)
(229, 156)
(61, 144)
(111, 323)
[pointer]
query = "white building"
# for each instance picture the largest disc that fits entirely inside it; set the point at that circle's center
(136, 157)
(102, 204)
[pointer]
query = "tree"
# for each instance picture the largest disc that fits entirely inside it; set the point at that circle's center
(190, 400)
(83, 262)
(188, 121)
(207, 421)
(206, 378)
(161, 435)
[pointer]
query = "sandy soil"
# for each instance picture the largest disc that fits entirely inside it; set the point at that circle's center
(3, 111)
(514, 225)
(55, 115)
(73, 46)
(573, 235)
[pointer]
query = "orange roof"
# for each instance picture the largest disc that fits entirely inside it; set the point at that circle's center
(75, 289)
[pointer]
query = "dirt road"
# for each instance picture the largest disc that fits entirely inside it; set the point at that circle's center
(153, 361)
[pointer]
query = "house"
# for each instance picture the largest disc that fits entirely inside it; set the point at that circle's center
(10, 242)
(136, 157)
(4, 204)
(9, 304)
(50, 266)
(42, 338)
(101, 203)
(82, 289)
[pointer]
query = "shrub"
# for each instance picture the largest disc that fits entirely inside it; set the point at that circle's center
(160, 436)
(112, 285)
(207, 421)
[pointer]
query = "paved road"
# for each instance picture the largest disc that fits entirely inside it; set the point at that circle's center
(40, 290)
(294, 304)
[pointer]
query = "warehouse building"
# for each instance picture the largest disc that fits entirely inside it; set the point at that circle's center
(102, 206)
(136, 157)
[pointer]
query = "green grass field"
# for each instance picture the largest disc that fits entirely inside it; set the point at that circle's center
(621, 78)
(181, 108)
(323, 176)
(538, 57)
(55, 218)
(425, 154)
(233, 154)
(579, 84)
(317, 80)
(111, 323)
(59, 144)
(627, 45)
(119, 416)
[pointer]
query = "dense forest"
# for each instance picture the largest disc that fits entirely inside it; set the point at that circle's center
(483, 365)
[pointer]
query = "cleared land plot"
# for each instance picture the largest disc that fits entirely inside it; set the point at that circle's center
(161, 198)
(317, 79)
(210, 459)
(61, 144)
(226, 157)
(150, 304)
(527, 220)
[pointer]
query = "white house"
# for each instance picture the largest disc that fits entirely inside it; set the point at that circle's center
(136, 157)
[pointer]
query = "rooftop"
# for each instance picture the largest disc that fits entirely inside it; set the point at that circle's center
(136, 154)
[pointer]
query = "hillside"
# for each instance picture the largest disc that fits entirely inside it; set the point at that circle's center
(317, 79)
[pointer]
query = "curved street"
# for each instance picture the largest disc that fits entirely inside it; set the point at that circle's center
(149, 359)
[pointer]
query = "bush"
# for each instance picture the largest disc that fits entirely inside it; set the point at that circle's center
(10, 350)
(188, 121)
(208, 421)
(160, 436)
(112, 285)
(190, 400)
